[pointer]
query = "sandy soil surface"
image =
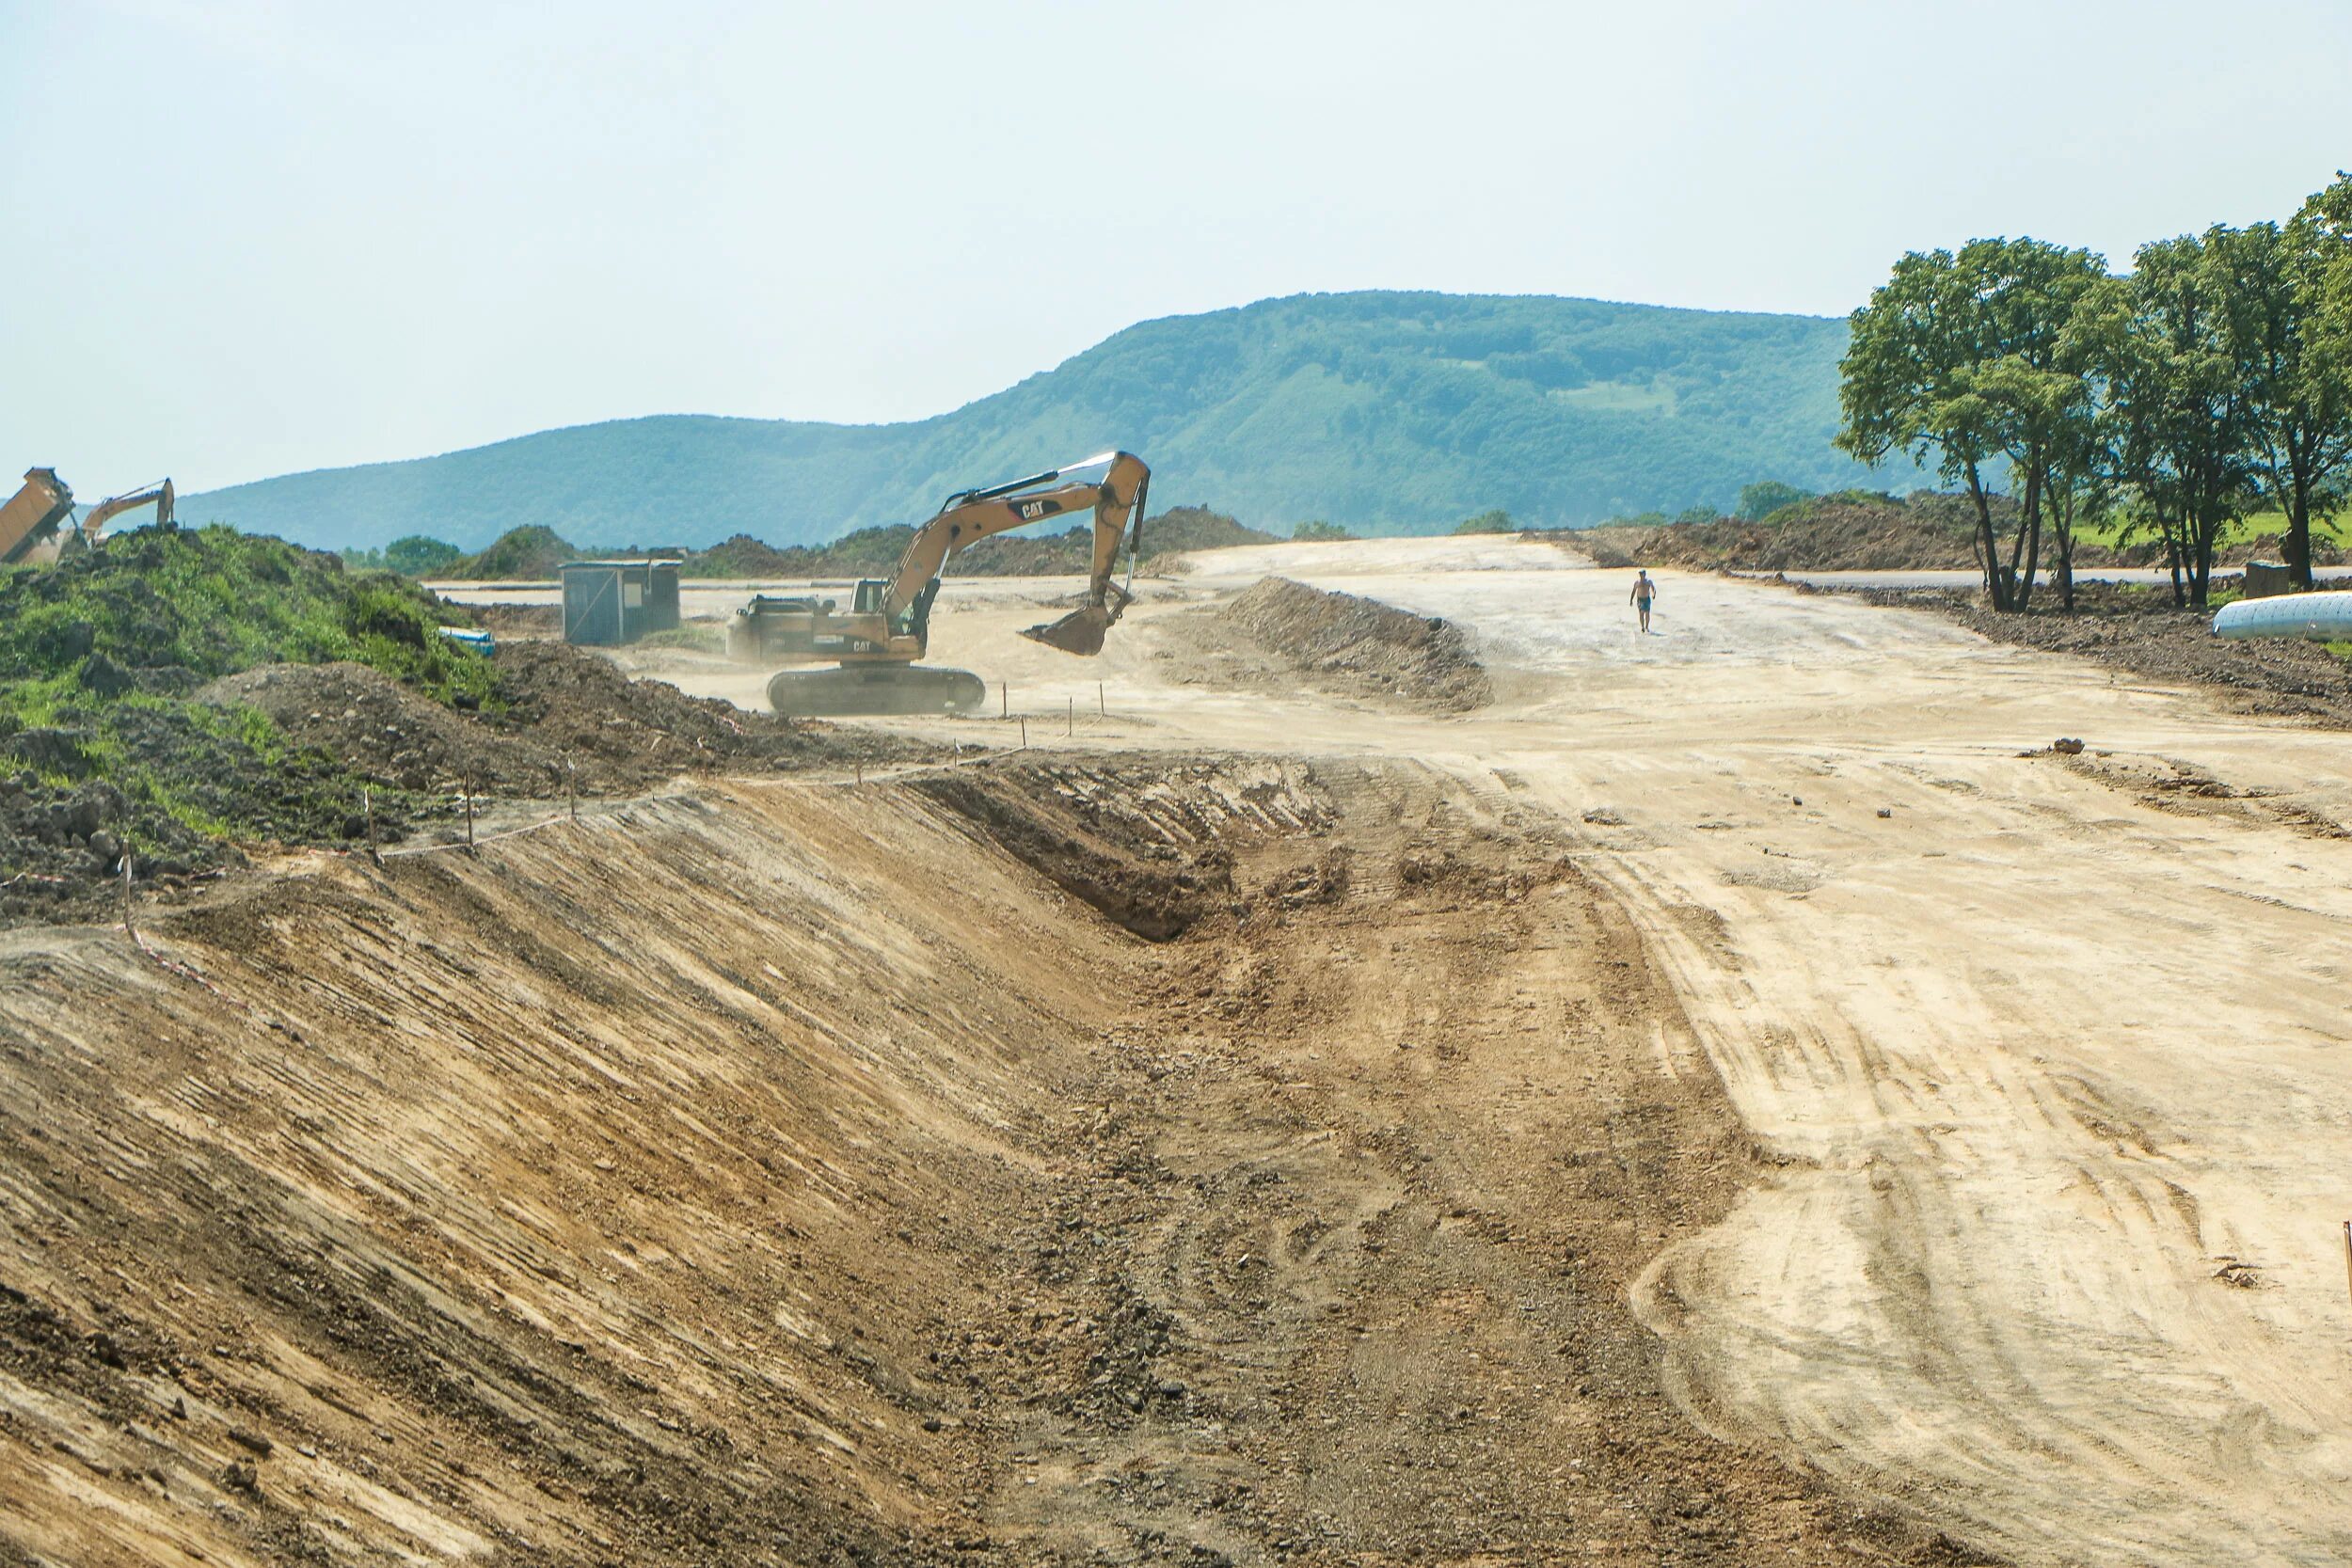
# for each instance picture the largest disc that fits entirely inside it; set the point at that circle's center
(1752, 1030)
(2051, 1050)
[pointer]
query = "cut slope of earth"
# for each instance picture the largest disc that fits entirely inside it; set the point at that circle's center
(784, 1176)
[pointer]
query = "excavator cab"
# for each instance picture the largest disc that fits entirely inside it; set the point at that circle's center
(872, 597)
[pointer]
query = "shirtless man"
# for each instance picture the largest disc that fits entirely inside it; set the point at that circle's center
(1644, 592)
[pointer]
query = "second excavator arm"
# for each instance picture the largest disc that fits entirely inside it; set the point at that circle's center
(106, 511)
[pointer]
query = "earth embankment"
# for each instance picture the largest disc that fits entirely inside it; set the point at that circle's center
(791, 1174)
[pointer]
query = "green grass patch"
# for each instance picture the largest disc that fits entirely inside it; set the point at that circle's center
(103, 652)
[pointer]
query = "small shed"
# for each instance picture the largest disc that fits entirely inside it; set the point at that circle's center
(607, 603)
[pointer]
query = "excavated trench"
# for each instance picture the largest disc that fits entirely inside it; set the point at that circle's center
(1126, 1161)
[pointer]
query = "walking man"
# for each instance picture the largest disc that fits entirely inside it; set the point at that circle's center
(1644, 592)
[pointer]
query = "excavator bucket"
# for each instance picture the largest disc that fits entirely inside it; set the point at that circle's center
(1078, 632)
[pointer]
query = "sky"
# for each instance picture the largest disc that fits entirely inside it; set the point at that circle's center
(253, 238)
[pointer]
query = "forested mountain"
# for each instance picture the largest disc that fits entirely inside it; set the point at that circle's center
(1385, 412)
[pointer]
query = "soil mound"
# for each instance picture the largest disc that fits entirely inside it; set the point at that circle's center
(559, 707)
(1359, 646)
(1825, 535)
(1857, 532)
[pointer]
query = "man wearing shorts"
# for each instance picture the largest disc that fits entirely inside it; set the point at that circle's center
(1644, 592)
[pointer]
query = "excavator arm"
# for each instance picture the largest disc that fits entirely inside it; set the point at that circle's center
(106, 511)
(971, 515)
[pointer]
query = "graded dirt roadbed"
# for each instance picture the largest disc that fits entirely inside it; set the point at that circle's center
(2052, 1057)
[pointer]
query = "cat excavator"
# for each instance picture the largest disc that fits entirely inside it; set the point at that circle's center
(876, 640)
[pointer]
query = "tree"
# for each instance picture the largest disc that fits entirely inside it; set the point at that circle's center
(1487, 522)
(417, 556)
(2176, 412)
(2274, 282)
(1319, 529)
(1962, 357)
(1760, 501)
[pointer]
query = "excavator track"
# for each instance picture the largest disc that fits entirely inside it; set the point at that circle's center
(870, 689)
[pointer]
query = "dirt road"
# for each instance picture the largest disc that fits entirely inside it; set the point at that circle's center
(2051, 1051)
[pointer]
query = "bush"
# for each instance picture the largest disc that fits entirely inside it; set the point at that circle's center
(417, 556)
(1497, 521)
(1760, 501)
(1319, 531)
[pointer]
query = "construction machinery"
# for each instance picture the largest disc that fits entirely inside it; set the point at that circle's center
(37, 524)
(876, 640)
(94, 523)
(28, 524)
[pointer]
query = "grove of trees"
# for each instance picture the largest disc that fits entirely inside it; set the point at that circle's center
(2211, 381)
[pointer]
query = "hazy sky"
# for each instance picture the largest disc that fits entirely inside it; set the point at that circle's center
(248, 238)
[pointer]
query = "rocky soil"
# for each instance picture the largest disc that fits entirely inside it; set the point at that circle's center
(2137, 630)
(561, 720)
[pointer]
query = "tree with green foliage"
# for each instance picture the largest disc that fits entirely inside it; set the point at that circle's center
(1319, 531)
(1910, 380)
(1765, 497)
(1496, 521)
(2273, 283)
(2173, 383)
(417, 556)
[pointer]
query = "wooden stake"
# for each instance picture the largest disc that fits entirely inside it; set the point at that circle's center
(1004, 698)
(470, 816)
(128, 929)
(2347, 1245)
(367, 809)
(1070, 718)
(861, 771)
(1101, 704)
(1024, 732)
(571, 787)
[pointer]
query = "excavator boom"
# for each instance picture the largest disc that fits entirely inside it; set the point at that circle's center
(112, 507)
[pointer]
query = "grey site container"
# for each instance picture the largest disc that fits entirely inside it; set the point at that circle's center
(607, 603)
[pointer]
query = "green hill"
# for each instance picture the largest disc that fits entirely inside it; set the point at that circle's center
(1384, 413)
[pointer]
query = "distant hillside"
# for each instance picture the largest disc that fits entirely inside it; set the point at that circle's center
(1384, 413)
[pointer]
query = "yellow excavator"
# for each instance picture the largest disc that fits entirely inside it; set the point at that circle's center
(875, 642)
(36, 525)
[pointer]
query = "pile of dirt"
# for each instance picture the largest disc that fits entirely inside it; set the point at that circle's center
(2137, 630)
(178, 788)
(1928, 530)
(1342, 642)
(1827, 534)
(561, 718)
(519, 555)
(503, 621)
